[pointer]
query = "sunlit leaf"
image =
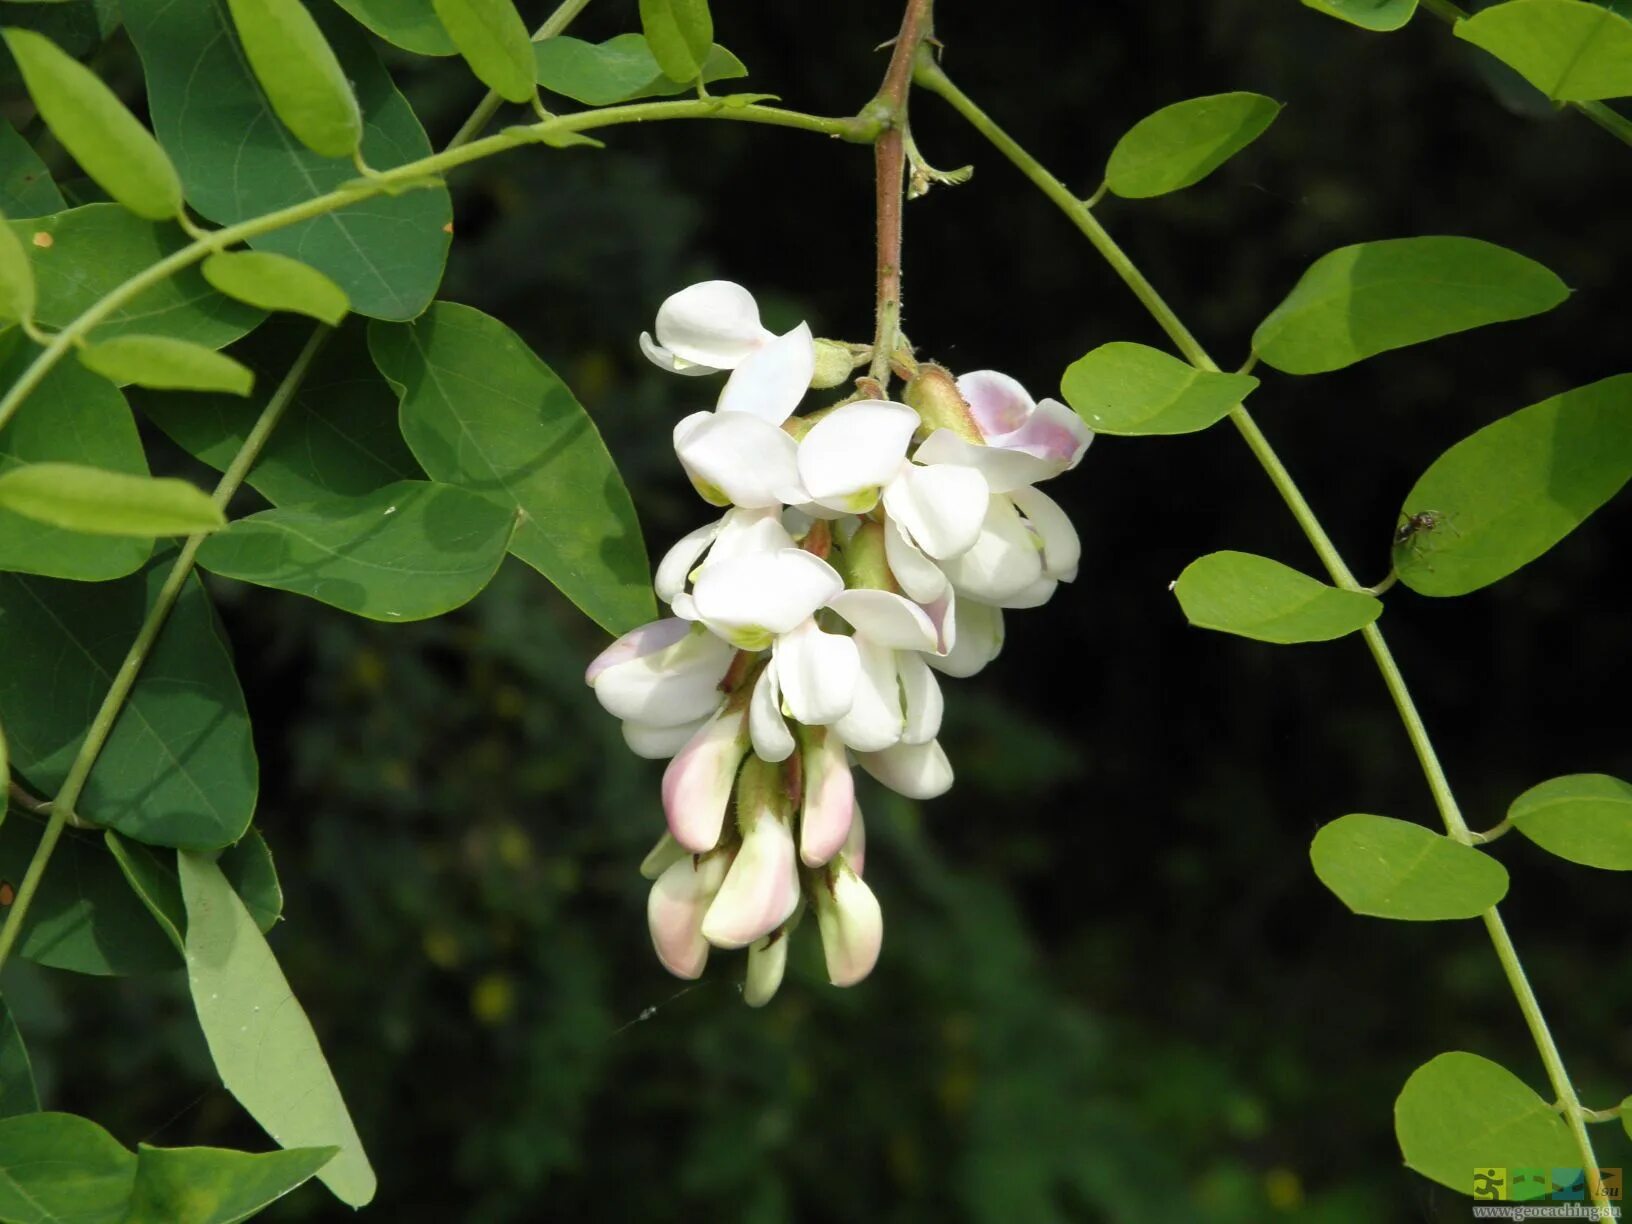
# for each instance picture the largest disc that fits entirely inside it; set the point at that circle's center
(165, 363)
(410, 24)
(493, 40)
(1358, 301)
(1368, 14)
(56, 1168)
(262, 1043)
(1570, 50)
(79, 498)
(1586, 818)
(1390, 868)
(1503, 496)
(1183, 143)
(152, 875)
(1123, 388)
(620, 69)
(303, 80)
(1255, 597)
(17, 1092)
(202, 1185)
(16, 277)
(276, 282)
(680, 33)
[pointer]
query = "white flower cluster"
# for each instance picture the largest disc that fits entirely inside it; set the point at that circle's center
(809, 622)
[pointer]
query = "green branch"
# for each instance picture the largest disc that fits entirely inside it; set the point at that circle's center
(930, 76)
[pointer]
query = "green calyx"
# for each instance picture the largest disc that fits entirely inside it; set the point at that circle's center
(933, 393)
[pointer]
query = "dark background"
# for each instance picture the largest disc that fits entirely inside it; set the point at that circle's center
(1112, 988)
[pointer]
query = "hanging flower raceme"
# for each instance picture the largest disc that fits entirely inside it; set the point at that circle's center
(865, 547)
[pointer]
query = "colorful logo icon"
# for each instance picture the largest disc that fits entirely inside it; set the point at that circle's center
(1558, 1185)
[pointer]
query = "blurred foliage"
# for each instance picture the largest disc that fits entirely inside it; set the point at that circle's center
(1112, 988)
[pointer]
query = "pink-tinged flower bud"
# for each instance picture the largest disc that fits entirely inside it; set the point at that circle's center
(661, 857)
(830, 796)
(934, 393)
(675, 908)
(851, 923)
(664, 674)
(855, 846)
(697, 783)
(761, 889)
(767, 962)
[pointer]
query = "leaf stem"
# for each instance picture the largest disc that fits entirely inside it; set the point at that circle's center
(930, 76)
(107, 714)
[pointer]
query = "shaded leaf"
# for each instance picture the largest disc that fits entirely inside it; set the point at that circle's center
(1586, 818)
(56, 1168)
(680, 33)
(80, 498)
(300, 75)
(479, 409)
(621, 69)
(410, 24)
(1255, 597)
(1570, 50)
(26, 189)
(1390, 868)
(16, 278)
(17, 1092)
(1123, 388)
(1358, 301)
(493, 41)
(1368, 14)
(1503, 496)
(151, 873)
(276, 282)
(1183, 143)
(262, 1043)
(165, 363)
(202, 1185)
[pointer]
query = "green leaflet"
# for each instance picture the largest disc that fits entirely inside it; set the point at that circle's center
(621, 69)
(1570, 50)
(16, 278)
(163, 362)
(493, 41)
(276, 282)
(409, 24)
(1368, 14)
(17, 1092)
(300, 75)
(26, 189)
(1585, 818)
(1123, 388)
(151, 872)
(203, 1185)
(56, 1168)
(1183, 143)
(79, 498)
(1389, 868)
(1255, 597)
(680, 33)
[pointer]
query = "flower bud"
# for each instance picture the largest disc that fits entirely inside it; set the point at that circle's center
(761, 889)
(829, 798)
(918, 771)
(697, 783)
(940, 405)
(675, 909)
(850, 921)
(767, 962)
(855, 846)
(661, 857)
(864, 562)
(834, 361)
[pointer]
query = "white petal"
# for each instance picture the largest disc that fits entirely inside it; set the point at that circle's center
(1053, 433)
(918, 771)
(916, 574)
(740, 458)
(1004, 561)
(771, 737)
(750, 600)
(678, 684)
(818, 672)
(648, 639)
(941, 507)
(886, 619)
(1033, 596)
(1003, 469)
(674, 571)
(761, 889)
(921, 695)
(1062, 550)
(675, 909)
(744, 532)
(853, 451)
(772, 380)
(713, 323)
(665, 360)
(875, 718)
(976, 639)
(659, 743)
(767, 962)
(855, 846)
(851, 924)
(999, 404)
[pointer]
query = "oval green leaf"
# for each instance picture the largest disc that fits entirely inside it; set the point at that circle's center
(1183, 143)
(237, 161)
(105, 139)
(1570, 50)
(493, 40)
(406, 552)
(479, 409)
(1460, 1113)
(16, 277)
(18, 1094)
(1131, 389)
(1586, 818)
(1503, 496)
(1390, 868)
(26, 189)
(1368, 14)
(620, 69)
(152, 875)
(409, 24)
(81, 254)
(297, 68)
(276, 282)
(179, 766)
(262, 1043)
(80, 498)
(680, 33)
(166, 363)
(56, 1168)
(203, 1185)
(1256, 597)
(1358, 301)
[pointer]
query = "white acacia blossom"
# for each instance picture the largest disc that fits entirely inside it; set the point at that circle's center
(865, 546)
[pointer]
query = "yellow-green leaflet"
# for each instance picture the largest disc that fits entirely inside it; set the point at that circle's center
(303, 80)
(493, 40)
(16, 276)
(167, 364)
(106, 139)
(82, 498)
(276, 282)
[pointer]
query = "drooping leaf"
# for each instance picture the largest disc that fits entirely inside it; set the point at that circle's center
(409, 24)
(17, 1092)
(26, 189)
(202, 1185)
(493, 40)
(105, 139)
(1586, 818)
(1390, 868)
(406, 552)
(165, 363)
(81, 254)
(1503, 496)
(1123, 388)
(1460, 1113)
(300, 75)
(1368, 14)
(179, 765)
(79, 498)
(1183, 143)
(16, 278)
(1358, 301)
(247, 864)
(1570, 50)
(56, 1168)
(276, 282)
(1255, 597)
(680, 33)
(152, 875)
(621, 69)
(338, 437)
(479, 409)
(236, 160)
(262, 1043)
(71, 416)
(84, 918)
